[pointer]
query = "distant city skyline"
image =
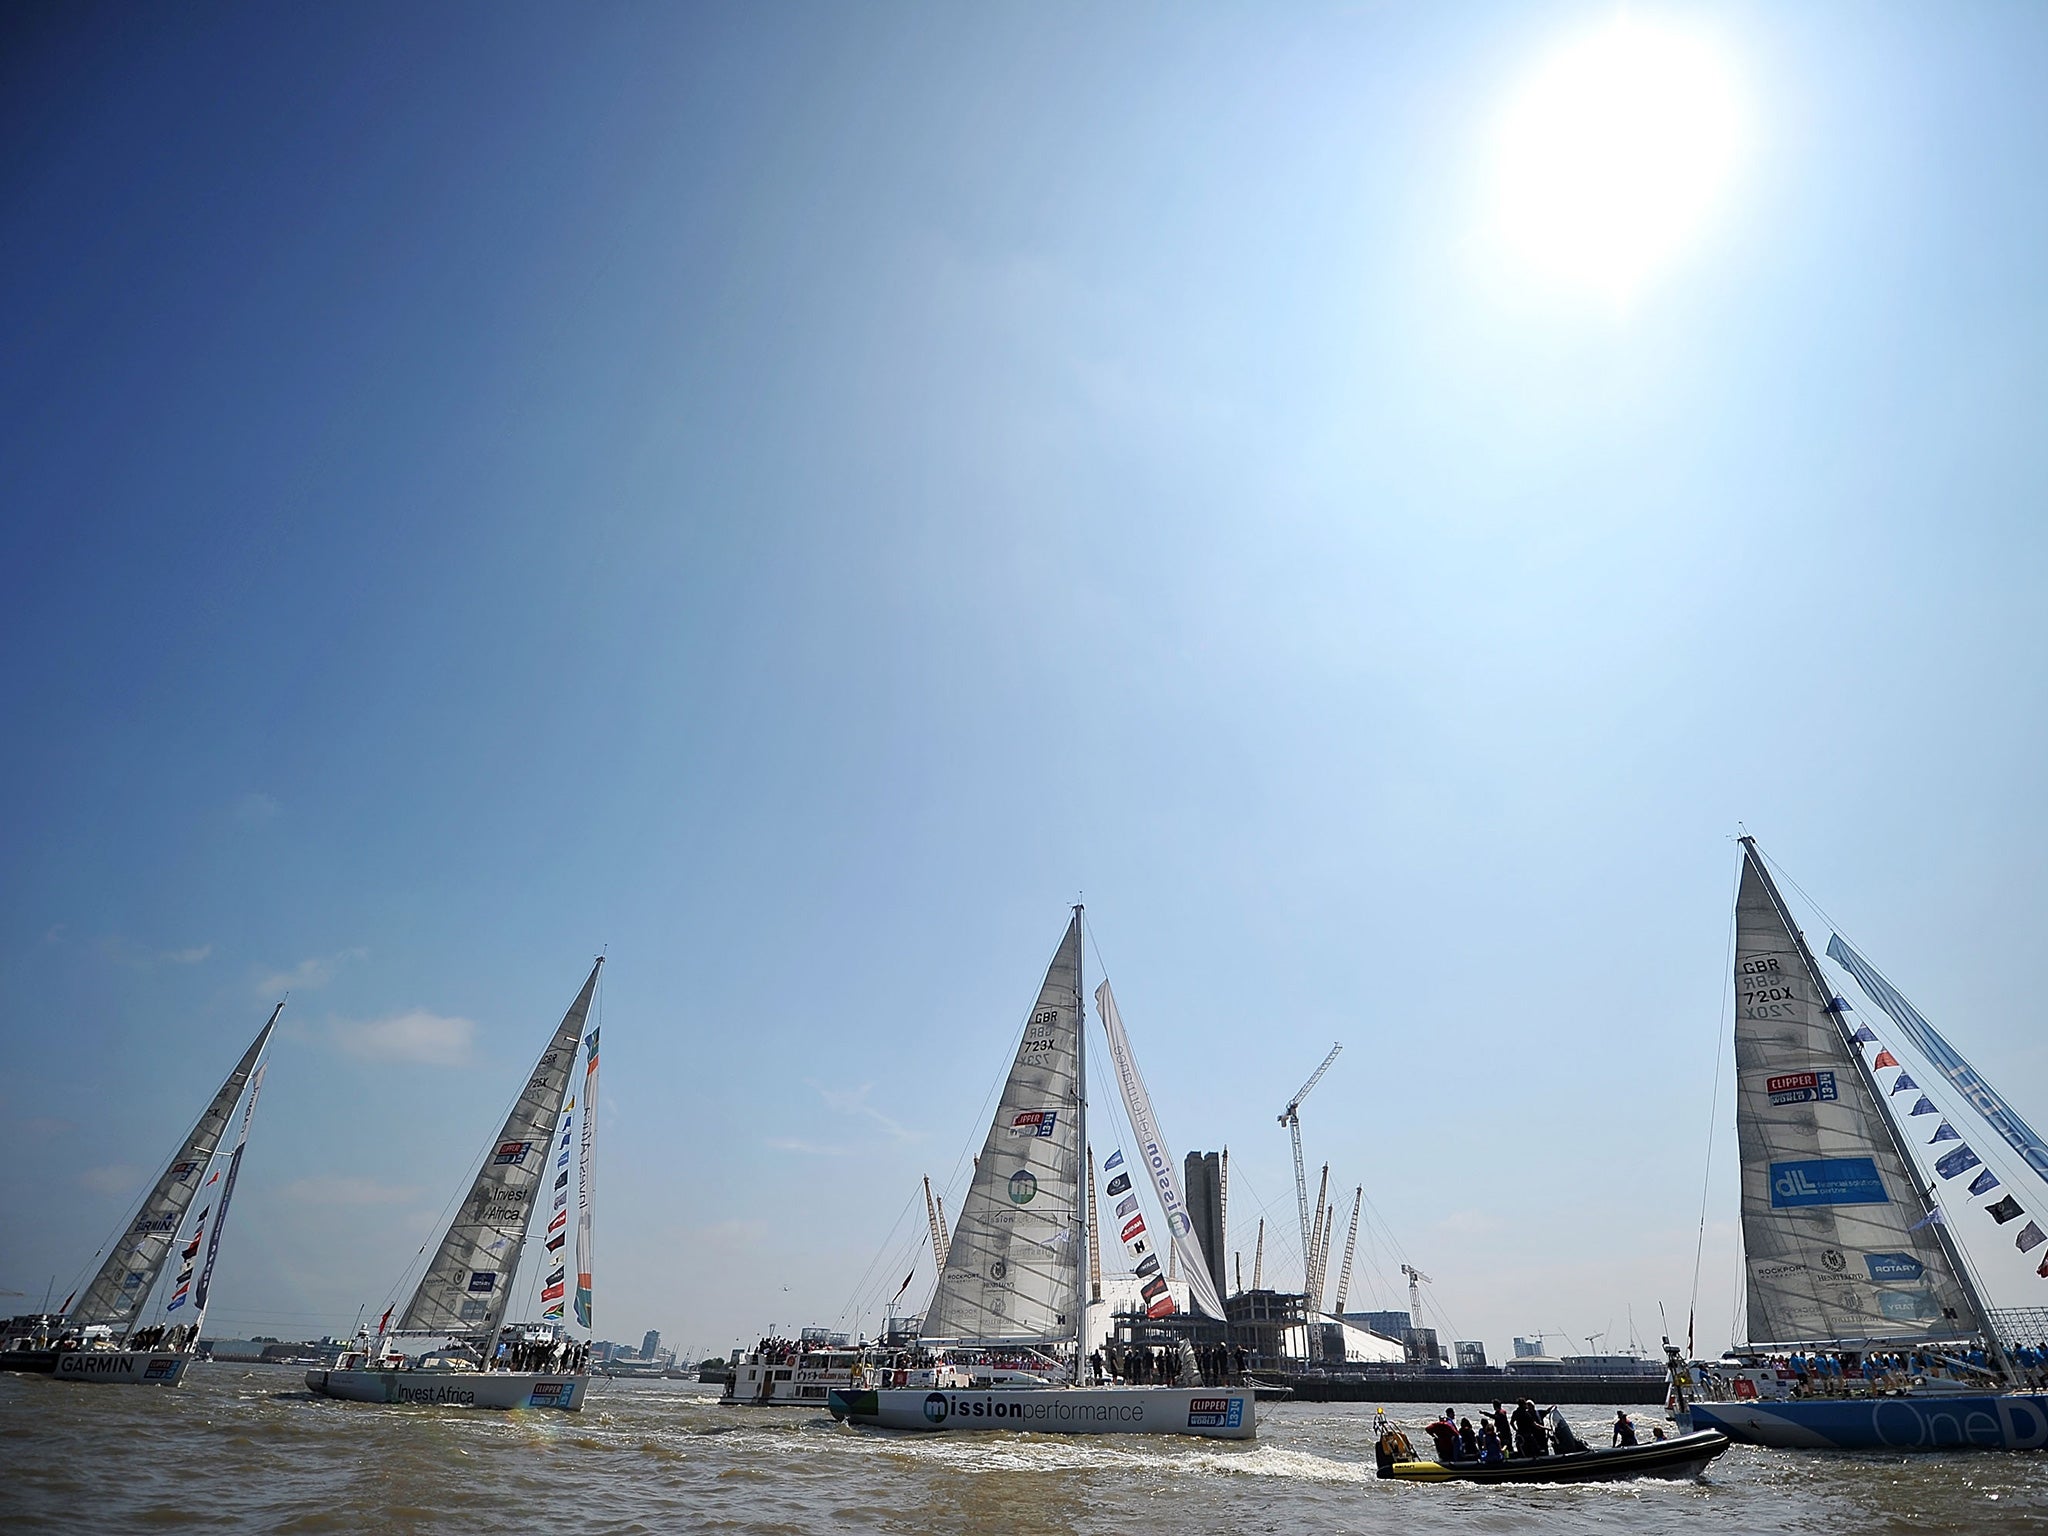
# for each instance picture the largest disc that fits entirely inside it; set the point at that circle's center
(792, 501)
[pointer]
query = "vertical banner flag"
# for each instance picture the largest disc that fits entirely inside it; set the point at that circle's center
(1158, 1158)
(227, 1191)
(1137, 1238)
(184, 1281)
(583, 1233)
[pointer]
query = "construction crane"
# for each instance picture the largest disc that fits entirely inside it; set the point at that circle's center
(1315, 1241)
(1318, 1245)
(1350, 1247)
(1416, 1281)
(933, 1213)
(1291, 1118)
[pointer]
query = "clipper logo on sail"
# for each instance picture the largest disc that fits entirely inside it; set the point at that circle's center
(1034, 1122)
(1828, 1181)
(1801, 1087)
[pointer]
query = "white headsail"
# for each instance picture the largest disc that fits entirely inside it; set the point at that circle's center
(1157, 1157)
(469, 1283)
(1013, 1263)
(227, 1194)
(125, 1280)
(1836, 1234)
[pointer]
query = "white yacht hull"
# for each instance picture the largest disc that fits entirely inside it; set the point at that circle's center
(120, 1367)
(454, 1389)
(1216, 1413)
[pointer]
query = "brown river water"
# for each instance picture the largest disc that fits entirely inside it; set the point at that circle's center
(245, 1448)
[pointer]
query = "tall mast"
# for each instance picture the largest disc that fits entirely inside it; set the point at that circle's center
(1822, 988)
(1081, 1248)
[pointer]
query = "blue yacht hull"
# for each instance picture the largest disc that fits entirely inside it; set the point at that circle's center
(2011, 1421)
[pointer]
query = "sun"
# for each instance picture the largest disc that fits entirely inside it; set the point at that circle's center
(1615, 152)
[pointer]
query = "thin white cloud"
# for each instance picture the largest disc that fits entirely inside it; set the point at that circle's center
(309, 975)
(114, 1179)
(348, 1191)
(139, 957)
(255, 808)
(854, 1101)
(807, 1148)
(417, 1036)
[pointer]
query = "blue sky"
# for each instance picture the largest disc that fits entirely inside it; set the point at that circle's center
(794, 498)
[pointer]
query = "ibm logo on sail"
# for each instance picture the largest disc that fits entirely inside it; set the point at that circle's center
(1828, 1181)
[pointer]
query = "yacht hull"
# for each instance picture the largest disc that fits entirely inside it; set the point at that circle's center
(109, 1367)
(2012, 1421)
(454, 1389)
(1216, 1413)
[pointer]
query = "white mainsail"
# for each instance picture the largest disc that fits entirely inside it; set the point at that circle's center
(468, 1285)
(1837, 1238)
(1157, 1157)
(1013, 1263)
(130, 1272)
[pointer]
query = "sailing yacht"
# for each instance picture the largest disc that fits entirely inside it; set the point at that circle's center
(1014, 1283)
(1845, 1248)
(102, 1338)
(462, 1298)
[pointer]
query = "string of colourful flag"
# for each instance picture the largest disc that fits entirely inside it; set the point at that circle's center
(1959, 1159)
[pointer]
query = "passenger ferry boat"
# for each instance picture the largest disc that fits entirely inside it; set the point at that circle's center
(801, 1378)
(808, 1372)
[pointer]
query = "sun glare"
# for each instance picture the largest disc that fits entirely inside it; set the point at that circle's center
(1615, 152)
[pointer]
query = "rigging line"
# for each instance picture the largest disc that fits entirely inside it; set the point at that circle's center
(1714, 1113)
(133, 1208)
(860, 1285)
(1940, 1085)
(980, 1116)
(438, 1233)
(874, 1264)
(1818, 910)
(880, 1298)
(1276, 1230)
